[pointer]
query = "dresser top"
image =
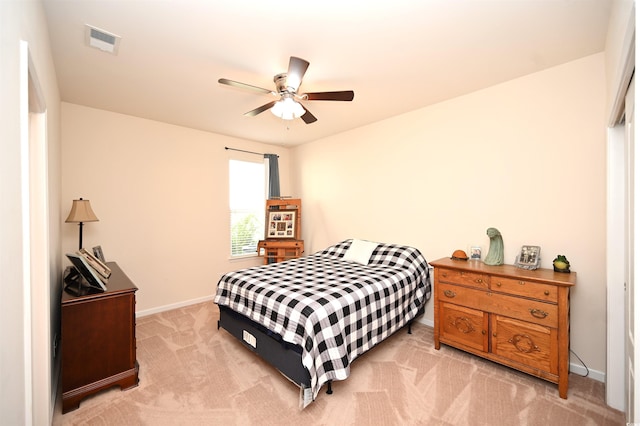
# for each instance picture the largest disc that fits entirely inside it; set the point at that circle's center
(548, 276)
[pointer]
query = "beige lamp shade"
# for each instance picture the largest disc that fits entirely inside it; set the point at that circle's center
(81, 212)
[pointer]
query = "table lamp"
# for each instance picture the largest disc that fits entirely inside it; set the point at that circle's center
(81, 212)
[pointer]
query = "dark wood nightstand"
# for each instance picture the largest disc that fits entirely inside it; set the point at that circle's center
(99, 340)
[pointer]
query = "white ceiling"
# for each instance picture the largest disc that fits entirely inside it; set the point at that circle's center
(396, 55)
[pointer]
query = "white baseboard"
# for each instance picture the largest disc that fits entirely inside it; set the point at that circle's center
(182, 304)
(581, 370)
(426, 321)
(573, 367)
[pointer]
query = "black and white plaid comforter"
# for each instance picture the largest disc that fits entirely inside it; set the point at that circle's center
(334, 309)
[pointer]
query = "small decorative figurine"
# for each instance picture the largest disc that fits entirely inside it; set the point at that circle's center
(561, 264)
(496, 248)
(459, 255)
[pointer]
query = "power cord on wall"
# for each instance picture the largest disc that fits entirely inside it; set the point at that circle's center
(582, 362)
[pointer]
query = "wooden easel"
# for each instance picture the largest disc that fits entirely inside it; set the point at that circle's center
(280, 249)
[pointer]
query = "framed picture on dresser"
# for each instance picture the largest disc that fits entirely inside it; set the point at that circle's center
(476, 253)
(529, 257)
(97, 252)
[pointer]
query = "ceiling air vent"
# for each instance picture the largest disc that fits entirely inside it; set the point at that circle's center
(102, 40)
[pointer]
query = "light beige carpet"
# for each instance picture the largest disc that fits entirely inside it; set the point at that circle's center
(191, 373)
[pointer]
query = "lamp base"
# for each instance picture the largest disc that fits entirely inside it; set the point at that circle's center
(80, 224)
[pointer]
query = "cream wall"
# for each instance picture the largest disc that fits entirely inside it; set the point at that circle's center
(161, 194)
(526, 157)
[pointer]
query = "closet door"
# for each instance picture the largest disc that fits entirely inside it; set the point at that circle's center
(632, 259)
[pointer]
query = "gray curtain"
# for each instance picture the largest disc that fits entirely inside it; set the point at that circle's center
(274, 176)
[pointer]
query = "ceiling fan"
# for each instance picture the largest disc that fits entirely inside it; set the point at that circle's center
(288, 105)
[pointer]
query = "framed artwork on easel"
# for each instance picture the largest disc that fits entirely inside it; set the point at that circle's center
(278, 226)
(281, 224)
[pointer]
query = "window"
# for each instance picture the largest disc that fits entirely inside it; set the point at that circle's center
(247, 195)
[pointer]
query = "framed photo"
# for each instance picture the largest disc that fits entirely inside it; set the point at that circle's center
(281, 224)
(97, 252)
(476, 253)
(529, 257)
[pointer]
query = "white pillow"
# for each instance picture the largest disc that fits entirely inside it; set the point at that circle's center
(360, 251)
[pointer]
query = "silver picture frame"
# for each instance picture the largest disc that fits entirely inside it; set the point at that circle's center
(529, 257)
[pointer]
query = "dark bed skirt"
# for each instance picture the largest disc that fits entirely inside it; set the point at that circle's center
(284, 356)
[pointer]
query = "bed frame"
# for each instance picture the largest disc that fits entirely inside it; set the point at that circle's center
(285, 356)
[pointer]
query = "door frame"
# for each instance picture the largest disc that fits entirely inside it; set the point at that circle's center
(619, 236)
(35, 244)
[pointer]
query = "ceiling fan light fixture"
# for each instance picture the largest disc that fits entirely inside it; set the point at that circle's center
(287, 85)
(287, 109)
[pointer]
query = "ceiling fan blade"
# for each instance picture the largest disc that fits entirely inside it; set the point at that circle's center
(297, 69)
(258, 110)
(243, 85)
(346, 95)
(307, 117)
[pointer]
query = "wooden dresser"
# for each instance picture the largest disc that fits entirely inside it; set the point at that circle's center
(513, 316)
(99, 340)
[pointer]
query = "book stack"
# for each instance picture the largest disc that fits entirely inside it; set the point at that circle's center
(92, 269)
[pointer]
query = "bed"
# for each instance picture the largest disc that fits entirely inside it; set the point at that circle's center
(312, 316)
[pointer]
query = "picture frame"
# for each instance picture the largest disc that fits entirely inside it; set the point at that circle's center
(97, 252)
(529, 257)
(281, 224)
(475, 253)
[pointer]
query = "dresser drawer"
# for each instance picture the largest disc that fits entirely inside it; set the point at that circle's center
(525, 343)
(280, 244)
(463, 296)
(533, 290)
(515, 307)
(471, 279)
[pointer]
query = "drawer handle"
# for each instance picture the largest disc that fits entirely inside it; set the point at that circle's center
(521, 282)
(444, 274)
(538, 313)
(450, 294)
(523, 343)
(479, 280)
(499, 284)
(546, 292)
